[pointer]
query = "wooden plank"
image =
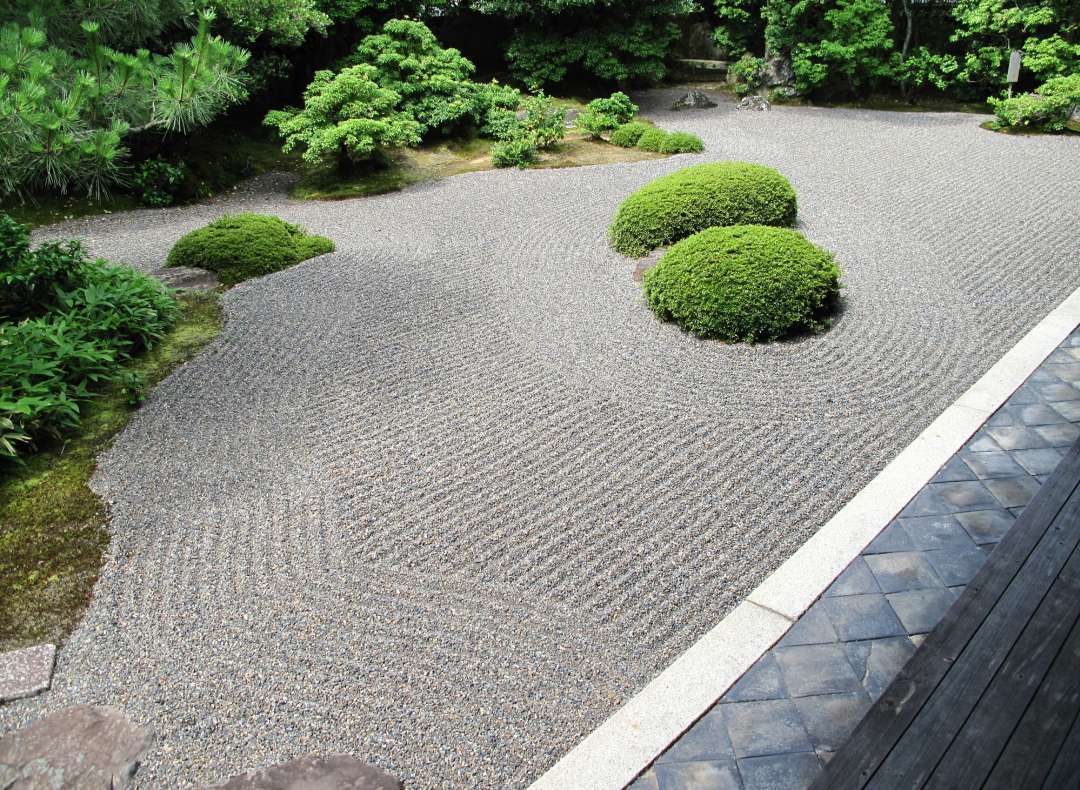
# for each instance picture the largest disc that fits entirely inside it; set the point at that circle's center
(1067, 765)
(1037, 740)
(971, 756)
(941, 718)
(885, 724)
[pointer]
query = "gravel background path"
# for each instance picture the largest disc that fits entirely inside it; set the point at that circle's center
(447, 497)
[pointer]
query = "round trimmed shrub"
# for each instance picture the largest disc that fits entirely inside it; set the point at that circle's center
(682, 143)
(627, 135)
(652, 140)
(703, 196)
(745, 283)
(242, 246)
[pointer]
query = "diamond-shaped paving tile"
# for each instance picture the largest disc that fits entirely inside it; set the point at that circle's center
(907, 570)
(1013, 491)
(816, 669)
(779, 771)
(997, 464)
(761, 681)
(921, 610)
(1038, 462)
(830, 718)
(862, 617)
(706, 740)
(877, 661)
(986, 526)
(769, 727)
(1018, 437)
(935, 532)
(698, 776)
(956, 564)
(857, 579)
(813, 628)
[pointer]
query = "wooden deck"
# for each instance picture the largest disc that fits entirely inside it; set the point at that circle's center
(992, 697)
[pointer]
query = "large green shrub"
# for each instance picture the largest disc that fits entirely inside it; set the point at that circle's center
(606, 115)
(1049, 109)
(680, 204)
(744, 283)
(242, 246)
(652, 139)
(67, 325)
(347, 118)
(627, 135)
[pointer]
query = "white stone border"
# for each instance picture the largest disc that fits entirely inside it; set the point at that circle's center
(614, 754)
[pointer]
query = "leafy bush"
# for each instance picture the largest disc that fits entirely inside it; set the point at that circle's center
(159, 183)
(1065, 87)
(627, 135)
(242, 246)
(682, 143)
(347, 117)
(73, 325)
(687, 201)
(1032, 110)
(744, 283)
(516, 152)
(750, 73)
(652, 139)
(495, 105)
(606, 115)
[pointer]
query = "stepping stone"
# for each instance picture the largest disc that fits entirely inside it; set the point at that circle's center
(84, 747)
(339, 772)
(26, 672)
(187, 278)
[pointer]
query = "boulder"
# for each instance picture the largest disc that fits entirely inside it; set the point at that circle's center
(339, 772)
(754, 102)
(694, 100)
(84, 747)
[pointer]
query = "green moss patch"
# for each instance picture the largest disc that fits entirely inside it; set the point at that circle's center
(52, 526)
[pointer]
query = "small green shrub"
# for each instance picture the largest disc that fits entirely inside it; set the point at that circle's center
(159, 183)
(682, 143)
(70, 325)
(1049, 109)
(627, 135)
(652, 140)
(745, 283)
(690, 200)
(606, 115)
(544, 124)
(242, 246)
(749, 72)
(518, 152)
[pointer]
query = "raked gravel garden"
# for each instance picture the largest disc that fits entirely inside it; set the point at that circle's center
(446, 497)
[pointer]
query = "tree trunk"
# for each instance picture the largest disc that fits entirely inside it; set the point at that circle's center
(909, 13)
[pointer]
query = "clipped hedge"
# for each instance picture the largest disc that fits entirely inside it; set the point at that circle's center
(682, 143)
(627, 135)
(652, 139)
(687, 201)
(745, 283)
(242, 246)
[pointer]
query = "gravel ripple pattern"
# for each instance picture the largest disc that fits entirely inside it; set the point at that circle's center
(446, 498)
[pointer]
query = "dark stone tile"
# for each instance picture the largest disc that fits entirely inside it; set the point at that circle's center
(856, 579)
(707, 740)
(1013, 491)
(1060, 356)
(816, 669)
(986, 526)
(986, 465)
(1060, 435)
(982, 442)
(954, 471)
(878, 661)
(907, 570)
(698, 776)
(647, 781)
(1065, 368)
(1058, 392)
(1038, 462)
(1069, 410)
(830, 718)
(1036, 414)
(1000, 419)
(892, 538)
(1016, 511)
(779, 771)
(935, 532)
(963, 496)
(761, 681)
(920, 610)
(862, 617)
(769, 727)
(956, 565)
(1017, 437)
(1042, 376)
(1023, 396)
(813, 628)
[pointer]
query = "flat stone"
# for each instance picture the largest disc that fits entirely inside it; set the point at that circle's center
(921, 610)
(813, 628)
(857, 579)
(769, 727)
(713, 775)
(1037, 414)
(706, 741)
(956, 565)
(26, 672)
(779, 771)
(82, 747)
(878, 661)
(761, 681)
(187, 278)
(903, 571)
(1068, 409)
(994, 464)
(1038, 462)
(857, 617)
(935, 532)
(1060, 435)
(986, 526)
(1014, 437)
(954, 471)
(1014, 491)
(339, 772)
(892, 538)
(816, 669)
(830, 718)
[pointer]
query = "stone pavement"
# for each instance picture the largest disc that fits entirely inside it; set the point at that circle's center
(785, 717)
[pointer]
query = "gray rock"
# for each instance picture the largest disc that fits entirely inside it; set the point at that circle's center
(26, 672)
(84, 747)
(694, 100)
(188, 278)
(339, 772)
(754, 102)
(778, 72)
